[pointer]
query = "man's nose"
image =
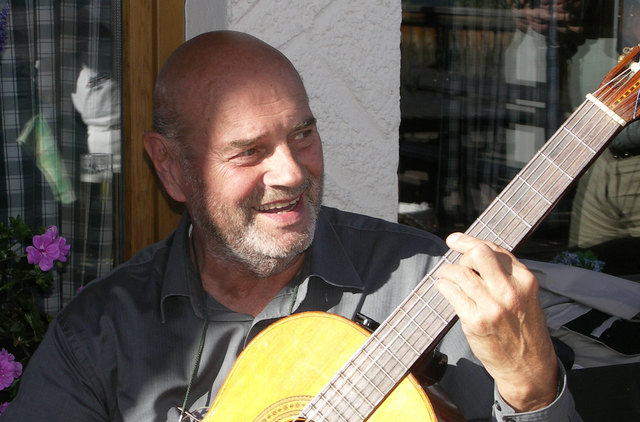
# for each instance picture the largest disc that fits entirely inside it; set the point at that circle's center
(284, 168)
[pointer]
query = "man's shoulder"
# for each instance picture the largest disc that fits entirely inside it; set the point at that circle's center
(137, 280)
(347, 223)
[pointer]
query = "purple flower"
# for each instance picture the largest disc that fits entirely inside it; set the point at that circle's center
(9, 369)
(63, 248)
(47, 248)
(3, 407)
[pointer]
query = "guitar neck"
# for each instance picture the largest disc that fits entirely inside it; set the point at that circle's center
(537, 188)
(425, 316)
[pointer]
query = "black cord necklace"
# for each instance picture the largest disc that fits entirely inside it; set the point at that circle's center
(196, 364)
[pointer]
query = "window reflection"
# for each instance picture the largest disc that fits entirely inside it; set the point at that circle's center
(60, 137)
(484, 86)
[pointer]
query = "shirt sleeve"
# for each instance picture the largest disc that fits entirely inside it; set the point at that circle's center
(472, 389)
(58, 384)
(561, 409)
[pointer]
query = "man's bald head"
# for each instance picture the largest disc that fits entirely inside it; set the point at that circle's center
(204, 70)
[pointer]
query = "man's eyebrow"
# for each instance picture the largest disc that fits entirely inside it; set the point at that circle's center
(304, 124)
(243, 143)
(247, 142)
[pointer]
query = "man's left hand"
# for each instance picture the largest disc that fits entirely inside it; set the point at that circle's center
(496, 299)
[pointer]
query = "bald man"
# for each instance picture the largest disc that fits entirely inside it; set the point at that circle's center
(236, 141)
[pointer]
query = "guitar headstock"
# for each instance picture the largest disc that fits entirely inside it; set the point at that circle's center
(620, 89)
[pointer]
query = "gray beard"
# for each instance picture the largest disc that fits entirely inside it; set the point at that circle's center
(256, 262)
(244, 242)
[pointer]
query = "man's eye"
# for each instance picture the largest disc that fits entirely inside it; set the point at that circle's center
(302, 134)
(248, 153)
(247, 156)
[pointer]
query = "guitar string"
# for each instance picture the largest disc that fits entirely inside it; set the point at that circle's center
(559, 177)
(533, 168)
(538, 169)
(498, 235)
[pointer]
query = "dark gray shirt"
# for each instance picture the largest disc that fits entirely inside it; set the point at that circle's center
(124, 348)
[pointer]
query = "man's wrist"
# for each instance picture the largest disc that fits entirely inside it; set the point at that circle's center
(561, 408)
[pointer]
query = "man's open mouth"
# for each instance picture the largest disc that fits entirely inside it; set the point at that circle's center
(278, 208)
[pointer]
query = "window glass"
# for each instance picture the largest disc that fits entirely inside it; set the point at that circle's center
(60, 136)
(484, 86)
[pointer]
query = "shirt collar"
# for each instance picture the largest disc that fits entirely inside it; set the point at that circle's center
(180, 278)
(326, 259)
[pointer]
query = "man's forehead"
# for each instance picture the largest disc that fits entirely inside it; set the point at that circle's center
(260, 96)
(254, 121)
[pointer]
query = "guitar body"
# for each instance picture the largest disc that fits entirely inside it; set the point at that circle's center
(290, 362)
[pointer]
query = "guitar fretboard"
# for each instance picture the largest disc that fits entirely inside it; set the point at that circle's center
(424, 316)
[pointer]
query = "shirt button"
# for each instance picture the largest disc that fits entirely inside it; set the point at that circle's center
(497, 405)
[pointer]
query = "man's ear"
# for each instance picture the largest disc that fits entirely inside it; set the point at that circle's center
(166, 163)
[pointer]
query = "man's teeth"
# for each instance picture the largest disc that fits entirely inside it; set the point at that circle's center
(280, 207)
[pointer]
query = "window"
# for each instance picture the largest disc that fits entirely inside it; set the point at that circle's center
(484, 85)
(60, 161)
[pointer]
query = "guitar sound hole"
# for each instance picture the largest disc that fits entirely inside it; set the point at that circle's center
(285, 410)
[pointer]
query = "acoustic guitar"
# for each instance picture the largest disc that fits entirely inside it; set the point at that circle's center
(320, 367)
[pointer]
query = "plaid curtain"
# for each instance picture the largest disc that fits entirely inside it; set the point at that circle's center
(58, 95)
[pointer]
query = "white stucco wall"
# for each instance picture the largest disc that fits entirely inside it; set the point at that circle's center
(348, 53)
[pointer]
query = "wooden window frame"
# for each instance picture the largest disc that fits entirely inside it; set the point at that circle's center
(152, 29)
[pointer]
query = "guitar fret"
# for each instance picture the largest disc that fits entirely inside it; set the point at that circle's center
(314, 412)
(518, 216)
(533, 189)
(492, 232)
(337, 404)
(579, 140)
(354, 385)
(437, 313)
(374, 373)
(355, 406)
(556, 175)
(363, 373)
(399, 334)
(432, 320)
(352, 403)
(496, 238)
(391, 355)
(417, 326)
(425, 310)
(416, 333)
(376, 362)
(562, 172)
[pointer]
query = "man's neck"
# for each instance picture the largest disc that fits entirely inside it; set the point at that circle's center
(239, 290)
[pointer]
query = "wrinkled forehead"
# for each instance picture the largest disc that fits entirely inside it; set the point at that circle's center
(271, 89)
(255, 84)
